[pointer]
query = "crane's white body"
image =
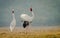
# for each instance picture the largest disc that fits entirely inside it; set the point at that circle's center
(13, 23)
(26, 17)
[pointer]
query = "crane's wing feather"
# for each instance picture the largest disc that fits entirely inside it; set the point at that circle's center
(26, 17)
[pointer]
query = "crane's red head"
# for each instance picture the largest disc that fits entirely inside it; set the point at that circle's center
(12, 10)
(30, 9)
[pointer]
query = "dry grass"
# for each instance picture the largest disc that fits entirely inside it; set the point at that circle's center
(41, 33)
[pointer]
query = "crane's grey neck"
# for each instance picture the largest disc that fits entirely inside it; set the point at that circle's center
(32, 14)
(13, 15)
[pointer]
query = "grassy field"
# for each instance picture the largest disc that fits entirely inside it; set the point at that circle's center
(35, 33)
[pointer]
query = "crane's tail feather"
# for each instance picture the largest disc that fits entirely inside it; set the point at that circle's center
(25, 24)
